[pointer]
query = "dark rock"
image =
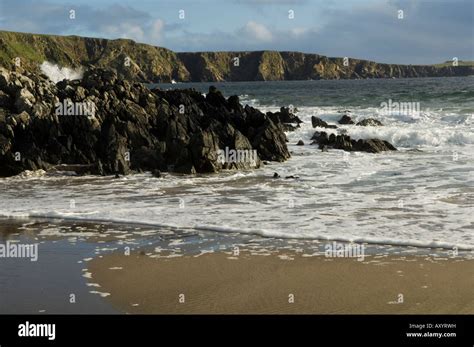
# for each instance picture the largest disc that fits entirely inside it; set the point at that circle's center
(370, 122)
(156, 173)
(320, 136)
(300, 143)
(24, 100)
(185, 168)
(373, 146)
(276, 175)
(345, 143)
(4, 79)
(291, 177)
(289, 127)
(284, 116)
(234, 104)
(318, 122)
(215, 97)
(132, 129)
(346, 120)
(5, 145)
(5, 100)
(268, 139)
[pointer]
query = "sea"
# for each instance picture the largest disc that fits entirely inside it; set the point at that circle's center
(418, 198)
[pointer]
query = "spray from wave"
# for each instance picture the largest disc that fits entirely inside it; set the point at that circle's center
(56, 73)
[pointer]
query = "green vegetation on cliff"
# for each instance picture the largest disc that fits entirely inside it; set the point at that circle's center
(146, 63)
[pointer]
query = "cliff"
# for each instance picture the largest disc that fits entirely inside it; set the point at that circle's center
(146, 63)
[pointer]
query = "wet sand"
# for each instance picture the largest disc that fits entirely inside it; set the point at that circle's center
(285, 283)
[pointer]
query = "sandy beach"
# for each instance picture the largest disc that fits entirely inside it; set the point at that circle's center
(285, 283)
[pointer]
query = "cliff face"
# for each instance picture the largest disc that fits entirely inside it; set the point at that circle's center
(275, 66)
(145, 63)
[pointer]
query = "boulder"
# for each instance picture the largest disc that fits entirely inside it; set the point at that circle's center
(373, 146)
(5, 145)
(345, 119)
(215, 97)
(270, 142)
(24, 100)
(320, 137)
(4, 79)
(284, 116)
(234, 104)
(345, 143)
(370, 122)
(5, 100)
(318, 122)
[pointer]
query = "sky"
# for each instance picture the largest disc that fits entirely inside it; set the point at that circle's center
(388, 31)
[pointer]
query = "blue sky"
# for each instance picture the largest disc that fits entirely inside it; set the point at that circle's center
(431, 31)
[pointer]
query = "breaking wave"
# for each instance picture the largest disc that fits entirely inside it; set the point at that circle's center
(56, 73)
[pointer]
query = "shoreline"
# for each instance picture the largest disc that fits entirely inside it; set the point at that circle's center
(228, 273)
(373, 248)
(222, 282)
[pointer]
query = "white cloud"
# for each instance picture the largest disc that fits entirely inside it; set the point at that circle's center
(257, 31)
(131, 31)
(366, 29)
(156, 30)
(272, 2)
(299, 31)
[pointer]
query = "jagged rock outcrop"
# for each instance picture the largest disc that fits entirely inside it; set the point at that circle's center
(345, 119)
(370, 122)
(318, 122)
(105, 125)
(145, 63)
(345, 143)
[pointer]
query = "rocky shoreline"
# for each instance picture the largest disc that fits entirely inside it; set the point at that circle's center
(104, 125)
(345, 142)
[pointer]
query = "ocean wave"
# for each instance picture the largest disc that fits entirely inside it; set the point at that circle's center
(56, 73)
(433, 128)
(90, 218)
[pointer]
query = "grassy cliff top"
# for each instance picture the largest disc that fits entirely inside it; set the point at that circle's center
(147, 63)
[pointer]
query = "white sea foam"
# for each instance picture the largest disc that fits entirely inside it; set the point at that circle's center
(419, 198)
(102, 294)
(431, 129)
(56, 73)
(400, 239)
